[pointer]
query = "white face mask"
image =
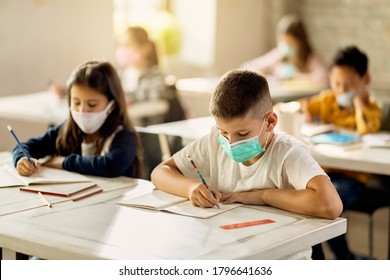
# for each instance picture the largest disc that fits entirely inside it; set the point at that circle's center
(91, 122)
(345, 100)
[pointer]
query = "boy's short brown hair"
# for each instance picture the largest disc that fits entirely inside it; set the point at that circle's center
(238, 92)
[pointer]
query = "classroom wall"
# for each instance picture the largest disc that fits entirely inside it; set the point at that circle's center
(337, 23)
(42, 40)
(246, 29)
(219, 35)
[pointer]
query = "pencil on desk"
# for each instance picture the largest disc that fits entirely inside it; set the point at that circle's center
(200, 176)
(44, 192)
(48, 204)
(87, 195)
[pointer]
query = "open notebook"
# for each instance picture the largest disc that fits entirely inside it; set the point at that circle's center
(377, 140)
(162, 201)
(10, 177)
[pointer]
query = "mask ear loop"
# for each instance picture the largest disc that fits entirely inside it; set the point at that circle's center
(266, 139)
(110, 107)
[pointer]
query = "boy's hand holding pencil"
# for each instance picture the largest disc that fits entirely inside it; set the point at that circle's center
(201, 195)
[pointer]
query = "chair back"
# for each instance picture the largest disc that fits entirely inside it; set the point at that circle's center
(176, 111)
(157, 148)
(385, 122)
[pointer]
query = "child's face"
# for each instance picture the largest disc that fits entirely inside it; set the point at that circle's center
(288, 45)
(242, 128)
(85, 99)
(128, 52)
(344, 79)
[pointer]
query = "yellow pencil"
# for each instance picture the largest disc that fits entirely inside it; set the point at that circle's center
(48, 204)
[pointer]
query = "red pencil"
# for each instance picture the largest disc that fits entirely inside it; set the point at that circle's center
(87, 195)
(44, 192)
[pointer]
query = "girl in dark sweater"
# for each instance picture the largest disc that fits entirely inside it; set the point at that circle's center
(98, 138)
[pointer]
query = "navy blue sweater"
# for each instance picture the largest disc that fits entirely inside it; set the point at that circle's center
(119, 161)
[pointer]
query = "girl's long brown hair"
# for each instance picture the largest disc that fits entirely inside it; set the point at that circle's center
(291, 25)
(102, 77)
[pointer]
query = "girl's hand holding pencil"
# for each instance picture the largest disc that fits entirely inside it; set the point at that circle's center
(25, 168)
(27, 165)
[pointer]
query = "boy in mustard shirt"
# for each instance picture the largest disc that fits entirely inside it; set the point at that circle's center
(347, 104)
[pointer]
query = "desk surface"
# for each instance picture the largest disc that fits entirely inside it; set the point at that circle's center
(280, 90)
(98, 228)
(354, 157)
(35, 107)
(48, 108)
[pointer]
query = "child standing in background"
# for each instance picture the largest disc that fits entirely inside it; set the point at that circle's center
(98, 138)
(347, 104)
(293, 58)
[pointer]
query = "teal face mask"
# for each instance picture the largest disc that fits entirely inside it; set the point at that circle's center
(243, 150)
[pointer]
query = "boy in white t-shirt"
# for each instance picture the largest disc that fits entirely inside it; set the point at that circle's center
(243, 160)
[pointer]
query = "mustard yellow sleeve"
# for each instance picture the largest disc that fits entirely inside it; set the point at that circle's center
(317, 105)
(368, 120)
(313, 106)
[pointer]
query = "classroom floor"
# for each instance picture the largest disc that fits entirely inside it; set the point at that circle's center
(358, 235)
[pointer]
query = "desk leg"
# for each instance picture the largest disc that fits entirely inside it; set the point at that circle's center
(11, 255)
(388, 237)
(8, 254)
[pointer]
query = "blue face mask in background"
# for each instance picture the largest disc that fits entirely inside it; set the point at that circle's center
(287, 50)
(345, 100)
(243, 150)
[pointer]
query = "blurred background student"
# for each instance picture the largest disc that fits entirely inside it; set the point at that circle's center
(137, 58)
(348, 104)
(293, 58)
(141, 76)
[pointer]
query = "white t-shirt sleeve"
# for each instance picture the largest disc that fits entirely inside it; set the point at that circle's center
(199, 151)
(300, 167)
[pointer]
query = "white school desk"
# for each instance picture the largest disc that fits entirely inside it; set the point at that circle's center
(98, 228)
(354, 157)
(195, 93)
(31, 114)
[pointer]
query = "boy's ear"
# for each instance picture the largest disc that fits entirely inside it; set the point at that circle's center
(367, 78)
(272, 120)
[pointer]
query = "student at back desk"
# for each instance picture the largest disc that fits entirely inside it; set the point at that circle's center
(347, 104)
(140, 73)
(293, 58)
(98, 138)
(243, 160)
